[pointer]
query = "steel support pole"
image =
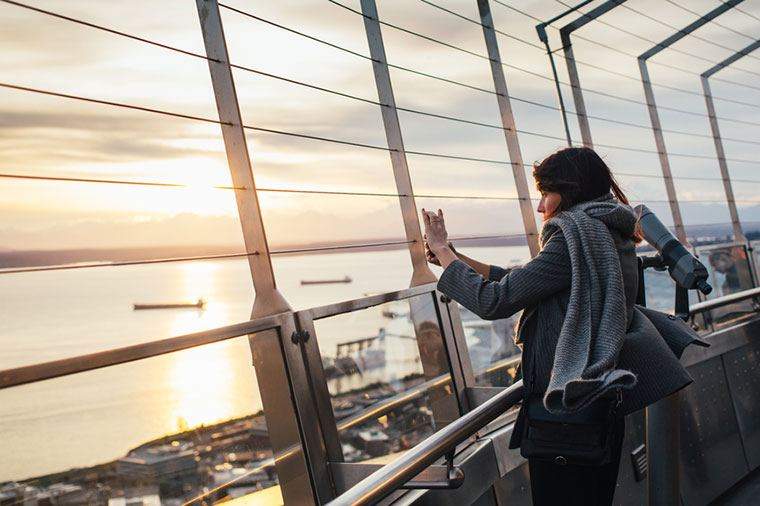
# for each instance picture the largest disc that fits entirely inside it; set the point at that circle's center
(662, 152)
(725, 176)
(663, 424)
(268, 299)
(510, 130)
(721, 154)
(421, 272)
(572, 68)
(575, 86)
(663, 443)
(430, 342)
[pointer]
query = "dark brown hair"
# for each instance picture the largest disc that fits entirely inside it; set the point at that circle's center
(578, 175)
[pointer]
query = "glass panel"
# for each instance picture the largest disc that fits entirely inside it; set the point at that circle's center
(754, 247)
(491, 343)
(491, 347)
(162, 430)
(374, 355)
(729, 273)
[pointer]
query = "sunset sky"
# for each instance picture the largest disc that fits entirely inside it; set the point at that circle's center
(50, 136)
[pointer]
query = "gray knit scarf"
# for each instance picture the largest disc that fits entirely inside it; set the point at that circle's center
(594, 328)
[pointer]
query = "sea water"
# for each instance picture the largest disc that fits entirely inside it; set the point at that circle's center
(97, 416)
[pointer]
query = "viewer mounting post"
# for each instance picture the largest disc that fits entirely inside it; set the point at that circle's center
(421, 272)
(655, 117)
(510, 129)
(572, 69)
(721, 154)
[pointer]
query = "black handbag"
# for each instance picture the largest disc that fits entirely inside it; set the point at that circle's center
(582, 438)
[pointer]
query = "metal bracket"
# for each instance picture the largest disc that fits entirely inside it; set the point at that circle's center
(300, 336)
(446, 477)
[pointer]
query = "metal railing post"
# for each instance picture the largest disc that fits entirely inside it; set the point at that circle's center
(282, 410)
(721, 155)
(431, 348)
(659, 140)
(572, 68)
(421, 272)
(510, 130)
(268, 299)
(655, 117)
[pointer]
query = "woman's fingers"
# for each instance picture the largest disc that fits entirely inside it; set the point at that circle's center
(425, 218)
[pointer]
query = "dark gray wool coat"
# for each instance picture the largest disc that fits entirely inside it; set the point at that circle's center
(653, 340)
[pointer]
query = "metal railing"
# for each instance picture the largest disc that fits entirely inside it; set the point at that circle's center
(388, 478)
(701, 307)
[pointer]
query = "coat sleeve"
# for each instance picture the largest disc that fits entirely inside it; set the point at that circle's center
(496, 273)
(518, 288)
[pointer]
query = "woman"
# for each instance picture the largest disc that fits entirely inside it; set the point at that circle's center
(578, 297)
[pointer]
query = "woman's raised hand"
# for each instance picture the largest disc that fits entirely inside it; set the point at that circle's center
(436, 237)
(429, 255)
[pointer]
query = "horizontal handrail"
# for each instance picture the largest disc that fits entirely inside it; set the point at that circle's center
(707, 305)
(390, 477)
(81, 363)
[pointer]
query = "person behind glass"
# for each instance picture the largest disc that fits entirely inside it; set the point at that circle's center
(578, 195)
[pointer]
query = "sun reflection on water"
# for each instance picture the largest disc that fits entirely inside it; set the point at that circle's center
(204, 381)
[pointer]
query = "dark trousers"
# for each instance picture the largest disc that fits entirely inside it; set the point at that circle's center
(570, 485)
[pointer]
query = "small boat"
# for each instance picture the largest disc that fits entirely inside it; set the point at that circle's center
(199, 304)
(346, 279)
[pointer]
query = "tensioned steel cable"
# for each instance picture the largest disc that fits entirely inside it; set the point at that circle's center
(692, 35)
(645, 39)
(327, 90)
(581, 62)
(197, 55)
(640, 37)
(304, 84)
(271, 190)
(749, 14)
(111, 103)
(521, 69)
(712, 21)
(338, 192)
(333, 140)
(650, 41)
(245, 68)
(287, 251)
(112, 181)
(620, 51)
(356, 193)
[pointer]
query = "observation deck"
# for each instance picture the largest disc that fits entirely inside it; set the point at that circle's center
(299, 143)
